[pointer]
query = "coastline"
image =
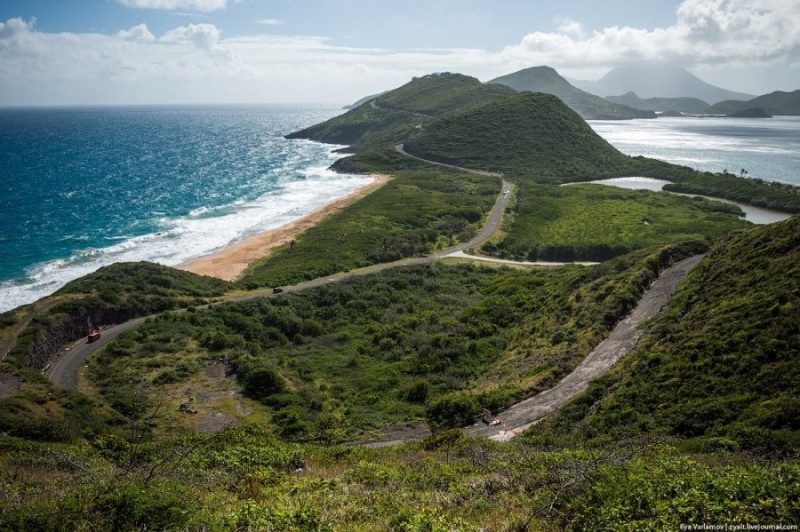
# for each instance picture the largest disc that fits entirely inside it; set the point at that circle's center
(231, 261)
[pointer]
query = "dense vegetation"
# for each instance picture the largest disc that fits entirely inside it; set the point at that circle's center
(112, 294)
(545, 79)
(775, 103)
(596, 222)
(767, 194)
(698, 426)
(146, 287)
(242, 479)
(721, 364)
(414, 214)
(390, 348)
(395, 115)
(530, 135)
(668, 105)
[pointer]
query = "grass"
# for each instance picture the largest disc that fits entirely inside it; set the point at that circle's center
(242, 479)
(414, 214)
(595, 222)
(720, 365)
(406, 344)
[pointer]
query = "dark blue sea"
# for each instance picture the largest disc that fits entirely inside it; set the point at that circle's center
(86, 187)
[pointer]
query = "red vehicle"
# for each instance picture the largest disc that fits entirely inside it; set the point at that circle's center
(93, 336)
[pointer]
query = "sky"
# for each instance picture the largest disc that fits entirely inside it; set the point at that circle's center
(85, 52)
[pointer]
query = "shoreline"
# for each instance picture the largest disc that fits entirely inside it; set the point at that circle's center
(231, 261)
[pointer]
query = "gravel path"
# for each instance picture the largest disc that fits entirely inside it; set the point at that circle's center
(620, 342)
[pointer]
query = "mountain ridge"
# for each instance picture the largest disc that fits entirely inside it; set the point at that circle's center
(545, 79)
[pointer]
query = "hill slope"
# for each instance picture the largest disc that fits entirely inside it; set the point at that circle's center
(534, 134)
(775, 103)
(669, 105)
(658, 79)
(394, 115)
(591, 107)
(724, 360)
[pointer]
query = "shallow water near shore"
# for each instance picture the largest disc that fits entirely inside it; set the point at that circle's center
(87, 187)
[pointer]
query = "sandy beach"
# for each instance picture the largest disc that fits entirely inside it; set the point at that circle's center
(229, 262)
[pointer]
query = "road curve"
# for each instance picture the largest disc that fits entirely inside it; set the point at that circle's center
(619, 343)
(516, 418)
(63, 371)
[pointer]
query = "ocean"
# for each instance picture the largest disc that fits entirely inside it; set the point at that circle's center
(87, 187)
(766, 148)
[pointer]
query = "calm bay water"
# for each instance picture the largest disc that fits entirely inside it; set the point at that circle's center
(767, 148)
(87, 187)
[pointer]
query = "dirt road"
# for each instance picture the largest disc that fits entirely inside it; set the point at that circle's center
(620, 342)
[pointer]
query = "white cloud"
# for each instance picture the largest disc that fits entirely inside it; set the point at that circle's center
(137, 33)
(204, 6)
(204, 36)
(569, 27)
(15, 26)
(195, 59)
(270, 22)
(705, 32)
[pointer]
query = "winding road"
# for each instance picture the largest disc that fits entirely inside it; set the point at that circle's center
(64, 370)
(619, 343)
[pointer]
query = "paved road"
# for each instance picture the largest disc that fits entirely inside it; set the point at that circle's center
(620, 342)
(63, 371)
(516, 418)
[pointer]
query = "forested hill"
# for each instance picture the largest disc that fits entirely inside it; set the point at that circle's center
(397, 114)
(775, 103)
(591, 107)
(530, 134)
(722, 365)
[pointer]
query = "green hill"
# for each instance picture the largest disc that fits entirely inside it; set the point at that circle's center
(664, 105)
(775, 103)
(397, 114)
(530, 134)
(722, 364)
(591, 107)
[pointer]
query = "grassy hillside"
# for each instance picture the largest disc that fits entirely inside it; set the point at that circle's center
(532, 136)
(113, 294)
(414, 214)
(596, 222)
(397, 114)
(723, 362)
(547, 80)
(768, 194)
(399, 346)
(242, 479)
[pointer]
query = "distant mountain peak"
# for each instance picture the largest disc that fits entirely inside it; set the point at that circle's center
(658, 79)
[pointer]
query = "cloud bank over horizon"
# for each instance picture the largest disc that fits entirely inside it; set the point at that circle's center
(721, 41)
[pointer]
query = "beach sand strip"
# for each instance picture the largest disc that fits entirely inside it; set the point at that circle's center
(231, 261)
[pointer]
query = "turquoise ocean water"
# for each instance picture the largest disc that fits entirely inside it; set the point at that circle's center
(86, 187)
